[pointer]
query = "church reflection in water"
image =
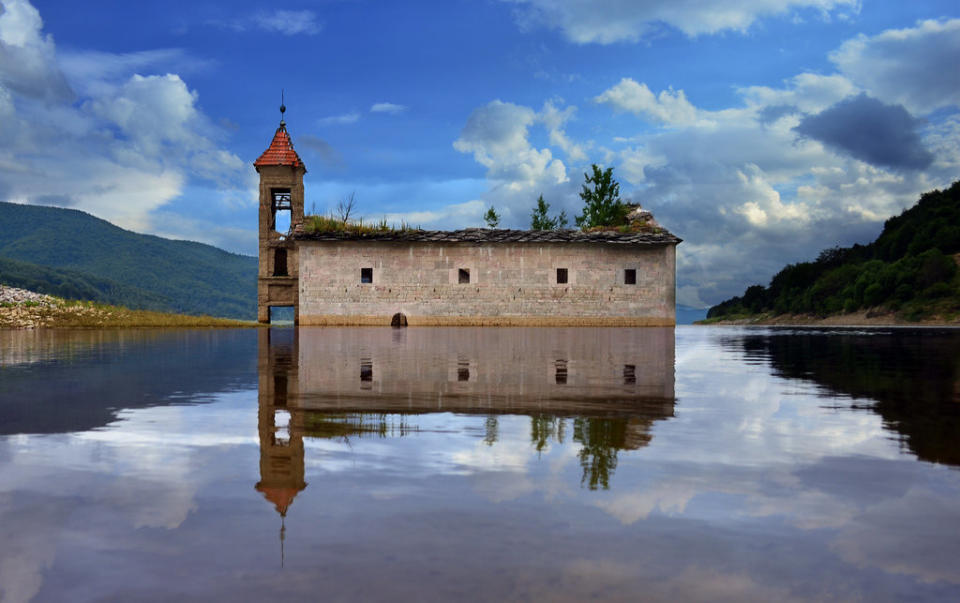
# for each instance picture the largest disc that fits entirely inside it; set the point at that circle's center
(599, 390)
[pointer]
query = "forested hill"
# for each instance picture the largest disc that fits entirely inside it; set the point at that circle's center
(911, 268)
(72, 254)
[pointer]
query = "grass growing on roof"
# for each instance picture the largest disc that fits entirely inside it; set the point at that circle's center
(330, 224)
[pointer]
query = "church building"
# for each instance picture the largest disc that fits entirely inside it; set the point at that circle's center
(473, 276)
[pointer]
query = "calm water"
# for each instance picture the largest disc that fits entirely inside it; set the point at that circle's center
(482, 464)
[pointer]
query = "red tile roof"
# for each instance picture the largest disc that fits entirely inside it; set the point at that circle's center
(280, 497)
(280, 151)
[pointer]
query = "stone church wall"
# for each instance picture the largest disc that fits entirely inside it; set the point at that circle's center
(509, 283)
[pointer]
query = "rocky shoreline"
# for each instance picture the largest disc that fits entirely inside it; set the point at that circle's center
(12, 295)
(23, 309)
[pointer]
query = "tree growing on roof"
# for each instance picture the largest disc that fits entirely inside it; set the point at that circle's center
(492, 218)
(601, 204)
(540, 220)
(345, 207)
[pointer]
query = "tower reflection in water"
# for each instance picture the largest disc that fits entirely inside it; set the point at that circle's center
(600, 390)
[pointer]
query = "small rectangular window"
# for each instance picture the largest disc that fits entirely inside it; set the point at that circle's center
(464, 276)
(561, 276)
(366, 275)
(561, 372)
(280, 391)
(366, 373)
(630, 276)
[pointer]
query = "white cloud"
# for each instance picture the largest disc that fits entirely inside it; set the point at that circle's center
(171, 225)
(152, 110)
(806, 92)
(876, 537)
(458, 215)
(30, 536)
(669, 107)
(745, 191)
(20, 25)
(338, 120)
(289, 22)
(129, 145)
(495, 130)
(391, 108)
(915, 67)
(667, 498)
(690, 296)
(94, 73)
(497, 135)
(766, 208)
(608, 21)
(125, 194)
(27, 57)
(554, 119)
(747, 194)
(284, 22)
(635, 161)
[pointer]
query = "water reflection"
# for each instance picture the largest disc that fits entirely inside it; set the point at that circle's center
(63, 381)
(910, 377)
(607, 389)
(454, 466)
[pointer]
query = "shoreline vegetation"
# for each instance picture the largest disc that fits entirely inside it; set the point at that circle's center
(909, 275)
(871, 318)
(22, 309)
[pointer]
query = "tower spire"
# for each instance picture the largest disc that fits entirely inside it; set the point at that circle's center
(283, 109)
(283, 532)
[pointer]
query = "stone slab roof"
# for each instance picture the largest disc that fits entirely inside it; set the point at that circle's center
(493, 235)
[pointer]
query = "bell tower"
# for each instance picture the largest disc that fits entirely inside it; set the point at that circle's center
(281, 210)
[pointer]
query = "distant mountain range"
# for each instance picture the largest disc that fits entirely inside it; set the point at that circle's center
(911, 269)
(71, 254)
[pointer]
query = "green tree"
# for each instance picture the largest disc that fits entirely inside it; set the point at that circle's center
(601, 204)
(491, 427)
(539, 220)
(492, 218)
(601, 439)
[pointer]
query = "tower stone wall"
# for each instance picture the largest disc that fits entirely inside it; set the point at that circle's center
(281, 190)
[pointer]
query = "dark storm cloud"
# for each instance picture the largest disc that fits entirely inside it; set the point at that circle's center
(322, 148)
(916, 66)
(28, 66)
(869, 130)
(31, 80)
(772, 113)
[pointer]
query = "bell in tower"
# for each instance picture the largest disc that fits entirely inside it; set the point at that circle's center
(281, 210)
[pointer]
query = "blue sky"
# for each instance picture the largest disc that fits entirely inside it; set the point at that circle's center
(759, 132)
